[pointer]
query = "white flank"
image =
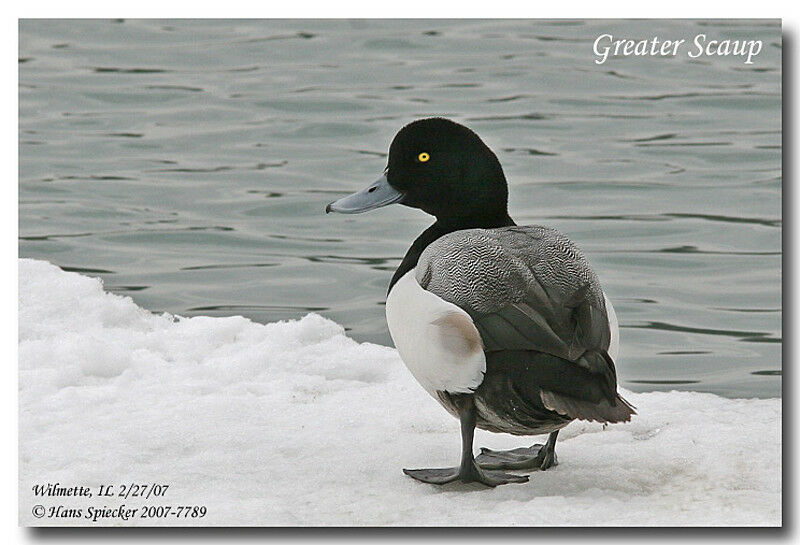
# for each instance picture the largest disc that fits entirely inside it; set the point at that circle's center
(613, 349)
(432, 339)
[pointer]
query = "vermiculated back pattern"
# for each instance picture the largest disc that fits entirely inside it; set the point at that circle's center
(484, 270)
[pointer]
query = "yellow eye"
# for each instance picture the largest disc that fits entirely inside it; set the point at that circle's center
(423, 157)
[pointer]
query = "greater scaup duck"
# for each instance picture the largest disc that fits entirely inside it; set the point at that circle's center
(505, 325)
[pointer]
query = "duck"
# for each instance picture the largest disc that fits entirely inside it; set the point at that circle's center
(506, 326)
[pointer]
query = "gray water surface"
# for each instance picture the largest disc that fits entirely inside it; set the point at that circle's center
(187, 163)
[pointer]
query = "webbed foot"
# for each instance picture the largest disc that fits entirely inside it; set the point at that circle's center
(533, 457)
(470, 474)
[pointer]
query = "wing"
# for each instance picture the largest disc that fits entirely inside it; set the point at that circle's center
(525, 387)
(526, 288)
(529, 289)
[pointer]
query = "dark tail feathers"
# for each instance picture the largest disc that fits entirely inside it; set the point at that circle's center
(603, 411)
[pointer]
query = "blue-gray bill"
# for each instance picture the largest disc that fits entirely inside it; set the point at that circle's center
(375, 195)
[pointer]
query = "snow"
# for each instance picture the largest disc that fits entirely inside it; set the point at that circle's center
(294, 423)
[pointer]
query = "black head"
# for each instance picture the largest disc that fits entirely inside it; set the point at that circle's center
(446, 170)
(440, 167)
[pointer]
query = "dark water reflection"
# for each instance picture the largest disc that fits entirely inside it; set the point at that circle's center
(188, 163)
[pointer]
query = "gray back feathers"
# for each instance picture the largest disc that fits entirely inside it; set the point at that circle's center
(484, 270)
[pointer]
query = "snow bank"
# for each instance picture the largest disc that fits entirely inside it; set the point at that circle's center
(293, 423)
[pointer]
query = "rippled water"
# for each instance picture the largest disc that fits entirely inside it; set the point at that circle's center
(188, 163)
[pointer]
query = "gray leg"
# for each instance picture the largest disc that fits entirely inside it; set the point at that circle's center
(468, 471)
(534, 457)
